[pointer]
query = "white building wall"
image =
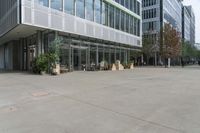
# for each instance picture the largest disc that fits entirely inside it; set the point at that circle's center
(40, 16)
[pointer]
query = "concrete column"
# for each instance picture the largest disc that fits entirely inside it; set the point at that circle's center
(88, 57)
(115, 55)
(69, 61)
(109, 56)
(21, 53)
(120, 55)
(103, 53)
(126, 55)
(39, 43)
(97, 56)
(79, 57)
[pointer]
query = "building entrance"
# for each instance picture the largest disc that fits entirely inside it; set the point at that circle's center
(79, 57)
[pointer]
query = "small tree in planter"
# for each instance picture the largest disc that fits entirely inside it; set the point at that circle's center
(54, 54)
(40, 64)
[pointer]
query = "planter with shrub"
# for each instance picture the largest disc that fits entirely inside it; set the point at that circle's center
(40, 64)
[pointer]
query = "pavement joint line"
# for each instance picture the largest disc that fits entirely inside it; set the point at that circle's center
(124, 114)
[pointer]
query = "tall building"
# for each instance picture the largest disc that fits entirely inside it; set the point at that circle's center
(186, 24)
(192, 25)
(155, 13)
(188, 29)
(91, 31)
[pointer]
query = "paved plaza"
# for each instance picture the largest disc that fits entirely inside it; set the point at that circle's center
(143, 100)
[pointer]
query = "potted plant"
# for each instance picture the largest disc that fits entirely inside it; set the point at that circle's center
(40, 64)
(54, 54)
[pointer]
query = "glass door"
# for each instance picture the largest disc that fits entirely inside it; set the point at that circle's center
(79, 58)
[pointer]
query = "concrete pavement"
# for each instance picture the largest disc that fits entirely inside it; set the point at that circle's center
(143, 100)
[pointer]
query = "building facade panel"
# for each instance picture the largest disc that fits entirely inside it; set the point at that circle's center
(58, 18)
(188, 28)
(91, 31)
(186, 24)
(9, 15)
(172, 10)
(192, 25)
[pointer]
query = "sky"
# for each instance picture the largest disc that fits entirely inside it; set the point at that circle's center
(196, 7)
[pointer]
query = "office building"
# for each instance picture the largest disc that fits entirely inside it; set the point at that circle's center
(90, 30)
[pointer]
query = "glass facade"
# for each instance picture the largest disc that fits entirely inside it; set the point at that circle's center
(132, 5)
(80, 10)
(111, 16)
(43, 2)
(81, 54)
(117, 19)
(57, 4)
(69, 6)
(101, 12)
(97, 10)
(89, 10)
(172, 10)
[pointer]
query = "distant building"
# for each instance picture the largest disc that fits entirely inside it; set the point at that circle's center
(188, 28)
(155, 13)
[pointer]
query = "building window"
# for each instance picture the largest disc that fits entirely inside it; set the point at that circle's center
(122, 2)
(69, 6)
(80, 8)
(138, 28)
(103, 19)
(135, 5)
(146, 3)
(89, 10)
(138, 8)
(111, 16)
(131, 5)
(122, 21)
(56, 4)
(151, 13)
(127, 23)
(131, 24)
(127, 4)
(97, 9)
(43, 2)
(135, 26)
(105, 14)
(117, 19)
(117, 1)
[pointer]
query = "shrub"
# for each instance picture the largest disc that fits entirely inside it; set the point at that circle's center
(40, 64)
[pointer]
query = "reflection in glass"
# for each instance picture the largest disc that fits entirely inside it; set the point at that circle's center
(56, 4)
(69, 6)
(122, 21)
(89, 10)
(43, 2)
(97, 8)
(117, 19)
(80, 12)
(111, 16)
